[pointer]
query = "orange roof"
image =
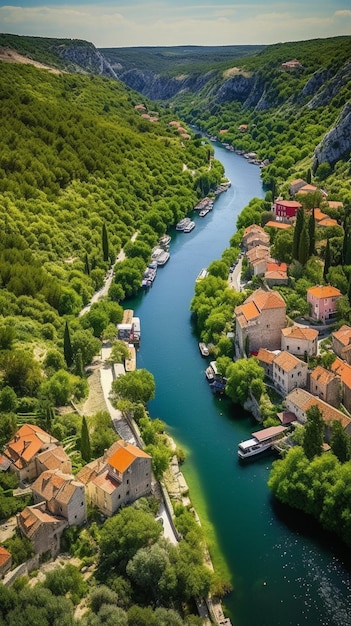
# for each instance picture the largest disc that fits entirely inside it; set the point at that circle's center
(327, 221)
(279, 225)
(319, 215)
(223, 130)
(323, 291)
(26, 443)
(321, 375)
(344, 371)
(253, 228)
(293, 204)
(343, 335)
(334, 204)
(266, 356)
(297, 181)
(307, 189)
(249, 310)
(5, 556)
(296, 332)
(125, 455)
(105, 482)
(287, 361)
(304, 400)
(282, 267)
(267, 300)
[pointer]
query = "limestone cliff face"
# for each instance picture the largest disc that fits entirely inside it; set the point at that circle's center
(331, 87)
(160, 87)
(84, 58)
(337, 142)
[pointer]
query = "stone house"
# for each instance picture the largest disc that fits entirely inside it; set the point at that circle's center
(265, 358)
(259, 322)
(341, 339)
(53, 459)
(23, 449)
(295, 185)
(298, 401)
(41, 528)
(299, 341)
(325, 385)
(289, 372)
(344, 371)
(118, 478)
(254, 235)
(323, 300)
(5, 561)
(63, 495)
(276, 274)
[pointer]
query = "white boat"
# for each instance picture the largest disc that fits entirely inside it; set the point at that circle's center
(204, 212)
(183, 223)
(189, 227)
(160, 255)
(164, 241)
(202, 274)
(203, 349)
(261, 441)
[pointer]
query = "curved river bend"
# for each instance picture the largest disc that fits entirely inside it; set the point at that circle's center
(284, 571)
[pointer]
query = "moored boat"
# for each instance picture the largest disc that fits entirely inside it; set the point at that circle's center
(204, 212)
(164, 241)
(183, 223)
(260, 442)
(189, 227)
(203, 349)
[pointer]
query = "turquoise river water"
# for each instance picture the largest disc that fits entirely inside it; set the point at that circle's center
(284, 570)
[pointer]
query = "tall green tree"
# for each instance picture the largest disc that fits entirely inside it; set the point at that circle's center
(297, 233)
(85, 447)
(304, 245)
(67, 346)
(327, 260)
(340, 442)
(312, 233)
(313, 433)
(105, 246)
(86, 265)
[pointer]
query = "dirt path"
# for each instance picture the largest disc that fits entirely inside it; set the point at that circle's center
(11, 56)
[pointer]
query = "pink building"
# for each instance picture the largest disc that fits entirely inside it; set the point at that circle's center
(323, 300)
(285, 209)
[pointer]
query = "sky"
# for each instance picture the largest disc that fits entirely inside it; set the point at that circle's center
(121, 23)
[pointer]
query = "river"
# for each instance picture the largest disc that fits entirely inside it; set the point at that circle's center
(284, 570)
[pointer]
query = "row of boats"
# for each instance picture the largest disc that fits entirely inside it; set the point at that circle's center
(186, 225)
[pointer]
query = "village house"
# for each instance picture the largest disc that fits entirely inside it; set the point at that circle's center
(307, 188)
(53, 459)
(285, 210)
(41, 528)
(259, 322)
(295, 185)
(118, 478)
(265, 358)
(323, 300)
(276, 274)
(257, 259)
(5, 561)
(299, 341)
(23, 449)
(294, 64)
(289, 372)
(325, 385)
(63, 495)
(344, 371)
(298, 401)
(341, 343)
(254, 235)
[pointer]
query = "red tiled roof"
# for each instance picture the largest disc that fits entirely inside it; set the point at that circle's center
(265, 300)
(321, 375)
(26, 443)
(124, 457)
(344, 371)
(280, 225)
(287, 361)
(292, 204)
(324, 291)
(343, 335)
(266, 356)
(5, 556)
(296, 332)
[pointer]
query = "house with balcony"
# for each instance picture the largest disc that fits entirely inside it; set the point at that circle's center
(298, 401)
(289, 372)
(325, 385)
(118, 478)
(23, 449)
(63, 495)
(299, 341)
(323, 300)
(259, 321)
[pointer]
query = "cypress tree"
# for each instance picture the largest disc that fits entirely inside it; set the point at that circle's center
(312, 233)
(85, 448)
(327, 260)
(67, 346)
(304, 245)
(105, 247)
(347, 260)
(86, 265)
(78, 364)
(297, 233)
(349, 290)
(313, 433)
(308, 176)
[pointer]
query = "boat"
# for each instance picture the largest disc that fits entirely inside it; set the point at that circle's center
(260, 442)
(183, 223)
(189, 227)
(164, 241)
(209, 373)
(203, 349)
(160, 256)
(202, 274)
(204, 212)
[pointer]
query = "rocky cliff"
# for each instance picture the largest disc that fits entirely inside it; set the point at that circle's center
(337, 142)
